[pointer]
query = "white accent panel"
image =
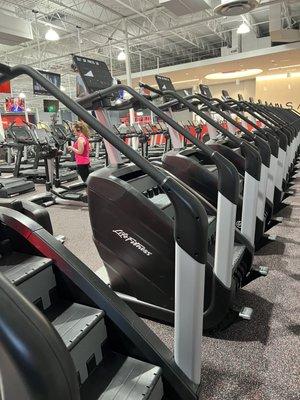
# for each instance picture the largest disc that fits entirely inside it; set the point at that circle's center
(287, 161)
(225, 229)
(212, 132)
(174, 135)
(262, 189)
(189, 303)
(114, 156)
(249, 207)
(271, 178)
(280, 169)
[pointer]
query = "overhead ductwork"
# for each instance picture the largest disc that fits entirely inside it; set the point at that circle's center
(277, 33)
(14, 31)
(180, 7)
(235, 7)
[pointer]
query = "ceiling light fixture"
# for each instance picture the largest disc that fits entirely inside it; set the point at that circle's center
(22, 95)
(122, 56)
(62, 88)
(243, 28)
(234, 74)
(51, 35)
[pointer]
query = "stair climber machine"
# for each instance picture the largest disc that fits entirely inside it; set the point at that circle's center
(56, 193)
(66, 318)
(285, 121)
(278, 154)
(132, 218)
(267, 145)
(250, 113)
(246, 158)
(25, 135)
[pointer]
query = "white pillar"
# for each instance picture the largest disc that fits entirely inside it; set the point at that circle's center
(128, 70)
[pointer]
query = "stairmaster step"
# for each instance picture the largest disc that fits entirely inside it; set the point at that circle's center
(135, 380)
(83, 330)
(32, 274)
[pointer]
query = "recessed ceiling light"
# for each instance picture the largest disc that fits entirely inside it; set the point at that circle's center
(234, 74)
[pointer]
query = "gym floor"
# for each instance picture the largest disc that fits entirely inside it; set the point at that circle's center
(256, 360)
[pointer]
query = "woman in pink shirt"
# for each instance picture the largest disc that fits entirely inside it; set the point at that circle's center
(81, 149)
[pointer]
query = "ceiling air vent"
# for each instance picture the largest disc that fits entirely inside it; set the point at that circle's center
(235, 7)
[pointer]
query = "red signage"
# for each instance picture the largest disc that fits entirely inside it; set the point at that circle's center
(5, 87)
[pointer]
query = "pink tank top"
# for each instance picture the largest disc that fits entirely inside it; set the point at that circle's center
(84, 158)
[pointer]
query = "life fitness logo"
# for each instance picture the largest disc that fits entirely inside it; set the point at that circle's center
(132, 241)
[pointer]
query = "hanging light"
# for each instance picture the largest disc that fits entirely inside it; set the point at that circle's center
(62, 88)
(51, 35)
(22, 95)
(122, 56)
(242, 29)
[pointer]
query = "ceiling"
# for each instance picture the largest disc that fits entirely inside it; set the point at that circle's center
(156, 36)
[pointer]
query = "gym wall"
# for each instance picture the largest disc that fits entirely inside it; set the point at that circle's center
(284, 89)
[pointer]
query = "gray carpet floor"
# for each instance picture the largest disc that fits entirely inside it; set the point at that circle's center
(256, 360)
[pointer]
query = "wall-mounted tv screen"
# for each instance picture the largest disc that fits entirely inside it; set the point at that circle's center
(5, 87)
(51, 106)
(14, 104)
(52, 77)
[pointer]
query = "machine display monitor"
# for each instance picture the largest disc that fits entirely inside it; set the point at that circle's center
(205, 90)
(94, 74)
(43, 137)
(51, 106)
(164, 83)
(225, 94)
(52, 77)
(22, 133)
(14, 104)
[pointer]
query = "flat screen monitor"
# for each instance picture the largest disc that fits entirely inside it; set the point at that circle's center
(52, 77)
(14, 104)
(51, 106)
(94, 74)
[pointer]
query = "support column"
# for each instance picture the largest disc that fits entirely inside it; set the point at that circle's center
(128, 69)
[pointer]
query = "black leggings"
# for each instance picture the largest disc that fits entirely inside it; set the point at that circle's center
(83, 171)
